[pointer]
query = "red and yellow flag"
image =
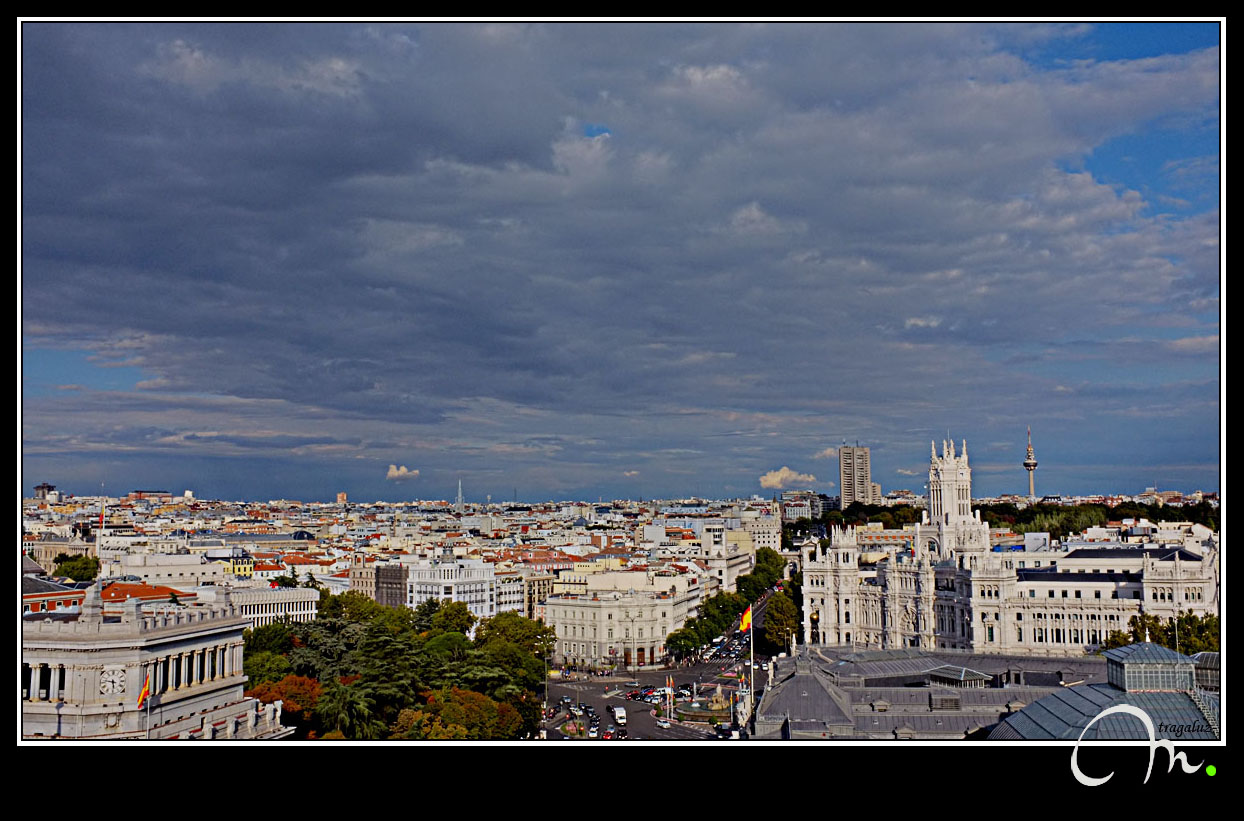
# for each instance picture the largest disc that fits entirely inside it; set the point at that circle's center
(145, 693)
(745, 623)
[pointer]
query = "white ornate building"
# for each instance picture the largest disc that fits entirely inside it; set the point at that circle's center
(954, 590)
(82, 674)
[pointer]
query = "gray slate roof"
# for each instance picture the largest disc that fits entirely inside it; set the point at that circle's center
(807, 699)
(1146, 652)
(1064, 715)
(1164, 554)
(32, 584)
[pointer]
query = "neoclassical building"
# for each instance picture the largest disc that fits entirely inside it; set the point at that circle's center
(83, 672)
(954, 590)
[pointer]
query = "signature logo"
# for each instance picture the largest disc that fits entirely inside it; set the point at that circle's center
(1154, 744)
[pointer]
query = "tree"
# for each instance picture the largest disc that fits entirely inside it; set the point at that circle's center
(530, 635)
(298, 695)
(1188, 634)
(781, 620)
(424, 612)
(269, 638)
(80, 569)
(418, 725)
(751, 586)
(453, 617)
(350, 606)
(683, 642)
(482, 717)
(348, 709)
(265, 667)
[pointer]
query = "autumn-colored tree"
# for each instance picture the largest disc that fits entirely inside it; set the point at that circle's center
(418, 725)
(298, 695)
(482, 717)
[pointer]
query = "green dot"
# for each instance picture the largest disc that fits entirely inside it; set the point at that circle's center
(1211, 769)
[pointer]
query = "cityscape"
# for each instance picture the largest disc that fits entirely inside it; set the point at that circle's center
(537, 381)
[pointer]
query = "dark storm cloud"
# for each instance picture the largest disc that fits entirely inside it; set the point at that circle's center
(441, 244)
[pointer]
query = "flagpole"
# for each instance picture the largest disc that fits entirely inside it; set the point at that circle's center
(751, 673)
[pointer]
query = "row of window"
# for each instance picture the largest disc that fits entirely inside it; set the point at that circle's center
(1114, 594)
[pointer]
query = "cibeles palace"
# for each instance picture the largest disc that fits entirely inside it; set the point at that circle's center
(943, 585)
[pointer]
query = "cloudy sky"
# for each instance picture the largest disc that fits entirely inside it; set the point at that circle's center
(570, 261)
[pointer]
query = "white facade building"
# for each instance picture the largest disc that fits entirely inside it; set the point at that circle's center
(954, 590)
(82, 675)
(265, 605)
(470, 581)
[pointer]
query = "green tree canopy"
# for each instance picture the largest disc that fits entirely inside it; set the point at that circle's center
(780, 621)
(453, 617)
(269, 638)
(349, 710)
(530, 635)
(1188, 634)
(80, 569)
(265, 667)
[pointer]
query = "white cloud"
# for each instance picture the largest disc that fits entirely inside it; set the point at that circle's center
(784, 477)
(400, 474)
(828, 453)
(1194, 344)
(189, 65)
(752, 220)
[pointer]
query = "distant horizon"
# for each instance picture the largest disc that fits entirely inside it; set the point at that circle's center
(449, 501)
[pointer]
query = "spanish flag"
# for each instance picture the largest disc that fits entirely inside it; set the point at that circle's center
(745, 623)
(145, 692)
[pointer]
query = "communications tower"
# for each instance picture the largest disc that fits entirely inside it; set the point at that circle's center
(1030, 464)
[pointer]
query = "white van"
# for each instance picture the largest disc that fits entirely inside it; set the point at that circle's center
(619, 716)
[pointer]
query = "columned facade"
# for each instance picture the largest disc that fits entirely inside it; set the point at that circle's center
(82, 675)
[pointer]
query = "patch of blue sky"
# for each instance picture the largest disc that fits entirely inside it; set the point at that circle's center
(1120, 41)
(47, 371)
(595, 130)
(1187, 184)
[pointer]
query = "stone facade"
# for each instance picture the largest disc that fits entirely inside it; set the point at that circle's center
(611, 628)
(471, 581)
(264, 605)
(82, 675)
(953, 590)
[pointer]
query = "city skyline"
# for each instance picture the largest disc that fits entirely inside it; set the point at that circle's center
(577, 261)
